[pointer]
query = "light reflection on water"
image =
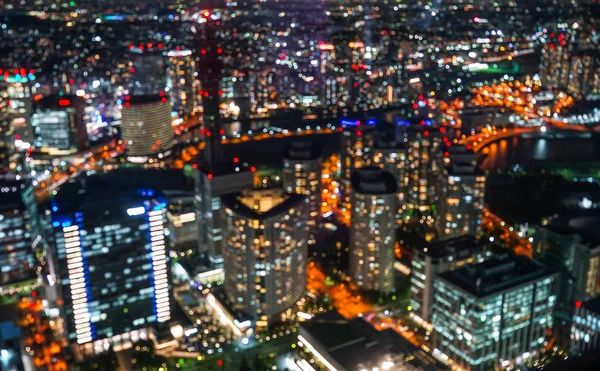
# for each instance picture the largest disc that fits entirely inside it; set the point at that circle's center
(506, 153)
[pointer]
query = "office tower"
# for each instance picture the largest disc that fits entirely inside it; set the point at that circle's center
(146, 128)
(302, 175)
(423, 169)
(210, 65)
(462, 195)
(15, 109)
(494, 313)
(19, 234)
(585, 328)
(436, 258)
(357, 145)
(265, 251)
(214, 176)
(183, 83)
(390, 155)
(111, 260)
(210, 183)
(58, 125)
(571, 246)
(372, 229)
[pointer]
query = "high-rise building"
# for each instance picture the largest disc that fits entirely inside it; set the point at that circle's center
(183, 83)
(210, 183)
(391, 156)
(146, 128)
(493, 314)
(585, 328)
(265, 251)
(210, 65)
(357, 146)
(571, 246)
(214, 176)
(19, 233)
(111, 260)
(462, 196)
(372, 229)
(436, 258)
(16, 99)
(423, 169)
(302, 175)
(58, 125)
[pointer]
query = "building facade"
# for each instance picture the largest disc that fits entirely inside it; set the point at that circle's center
(437, 258)
(462, 197)
(58, 125)
(372, 229)
(302, 175)
(585, 328)
(571, 246)
(423, 170)
(146, 128)
(183, 83)
(210, 185)
(265, 251)
(111, 261)
(357, 147)
(19, 234)
(391, 156)
(494, 313)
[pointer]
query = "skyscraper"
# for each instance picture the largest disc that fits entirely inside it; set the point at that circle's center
(210, 65)
(462, 196)
(146, 128)
(183, 82)
(423, 169)
(357, 147)
(265, 251)
(391, 156)
(111, 260)
(372, 229)
(58, 125)
(214, 176)
(493, 313)
(302, 175)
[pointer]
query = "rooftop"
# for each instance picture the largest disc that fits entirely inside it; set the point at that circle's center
(496, 275)
(373, 181)
(261, 204)
(58, 101)
(457, 247)
(146, 99)
(353, 342)
(111, 186)
(302, 150)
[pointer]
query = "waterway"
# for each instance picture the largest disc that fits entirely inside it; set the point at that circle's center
(581, 153)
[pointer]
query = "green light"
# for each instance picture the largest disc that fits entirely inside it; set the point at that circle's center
(72, 3)
(125, 310)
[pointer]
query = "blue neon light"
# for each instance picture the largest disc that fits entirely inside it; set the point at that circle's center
(347, 122)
